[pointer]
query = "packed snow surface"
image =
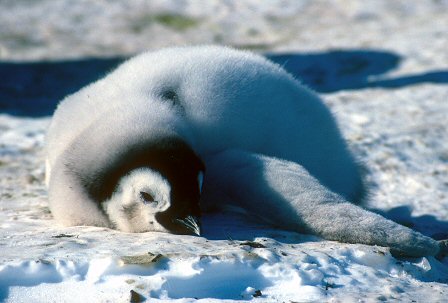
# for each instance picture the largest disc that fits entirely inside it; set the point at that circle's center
(382, 68)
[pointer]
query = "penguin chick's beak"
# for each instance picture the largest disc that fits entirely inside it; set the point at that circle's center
(191, 223)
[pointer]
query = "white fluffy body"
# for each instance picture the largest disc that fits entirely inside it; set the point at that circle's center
(269, 144)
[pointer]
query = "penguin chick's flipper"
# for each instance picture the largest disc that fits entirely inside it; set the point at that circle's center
(284, 194)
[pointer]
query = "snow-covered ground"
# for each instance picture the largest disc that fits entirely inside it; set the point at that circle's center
(381, 66)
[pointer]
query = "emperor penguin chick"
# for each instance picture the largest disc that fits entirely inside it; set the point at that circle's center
(127, 151)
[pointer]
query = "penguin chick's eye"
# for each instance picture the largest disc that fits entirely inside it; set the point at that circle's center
(170, 95)
(147, 198)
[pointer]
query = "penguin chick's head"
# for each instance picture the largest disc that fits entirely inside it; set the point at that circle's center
(142, 202)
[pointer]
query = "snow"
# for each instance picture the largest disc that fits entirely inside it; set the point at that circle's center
(387, 86)
(311, 273)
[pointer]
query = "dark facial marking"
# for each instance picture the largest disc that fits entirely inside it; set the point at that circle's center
(169, 156)
(146, 197)
(171, 96)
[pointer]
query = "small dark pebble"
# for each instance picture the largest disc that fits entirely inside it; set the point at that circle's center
(253, 244)
(43, 261)
(328, 285)
(136, 297)
(63, 236)
(30, 179)
(257, 294)
(6, 195)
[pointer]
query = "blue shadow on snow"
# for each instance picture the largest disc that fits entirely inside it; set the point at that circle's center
(428, 225)
(336, 70)
(34, 88)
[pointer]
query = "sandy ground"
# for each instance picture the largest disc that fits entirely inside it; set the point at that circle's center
(381, 66)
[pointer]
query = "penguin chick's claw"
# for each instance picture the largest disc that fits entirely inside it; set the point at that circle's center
(191, 223)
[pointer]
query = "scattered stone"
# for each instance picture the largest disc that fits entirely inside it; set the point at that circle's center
(43, 261)
(6, 196)
(329, 285)
(136, 297)
(31, 179)
(64, 236)
(45, 210)
(443, 244)
(257, 294)
(146, 259)
(251, 292)
(253, 244)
